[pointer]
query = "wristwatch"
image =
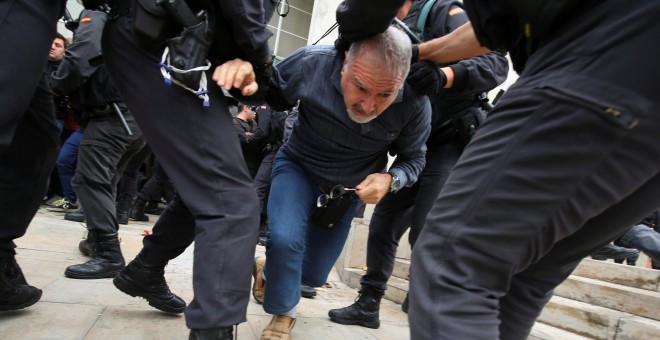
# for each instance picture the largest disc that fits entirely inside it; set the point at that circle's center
(396, 184)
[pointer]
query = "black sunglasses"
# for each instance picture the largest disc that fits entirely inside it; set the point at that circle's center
(336, 192)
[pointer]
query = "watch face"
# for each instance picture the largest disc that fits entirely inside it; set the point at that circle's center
(395, 182)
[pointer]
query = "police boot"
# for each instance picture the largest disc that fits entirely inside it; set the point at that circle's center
(88, 246)
(137, 212)
(106, 260)
(15, 293)
(145, 277)
(123, 207)
(75, 216)
(363, 312)
(153, 208)
(223, 333)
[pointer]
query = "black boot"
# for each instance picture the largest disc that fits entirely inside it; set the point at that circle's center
(363, 312)
(15, 293)
(405, 305)
(224, 333)
(153, 208)
(613, 252)
(88, 246)
(123, 207)
(106, 261)
(75, 216)
(147, 280)
(137, 212)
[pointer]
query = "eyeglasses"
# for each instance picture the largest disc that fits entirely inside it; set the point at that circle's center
(336, 192)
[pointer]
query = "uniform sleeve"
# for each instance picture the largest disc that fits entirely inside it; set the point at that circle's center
(495, 23)
(75, 69)
(359, 19)
(410, 147)
(286, 81)
(263, 124)
(474, 75)
(246, 18)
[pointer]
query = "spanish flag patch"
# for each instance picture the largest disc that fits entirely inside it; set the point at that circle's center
(455, 11)
(85, 19)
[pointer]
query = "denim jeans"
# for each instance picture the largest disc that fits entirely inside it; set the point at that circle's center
(642, 238)
(295, 250)
(66, 164)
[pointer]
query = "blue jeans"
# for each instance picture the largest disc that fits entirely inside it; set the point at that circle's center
(66, 164)
(642, 238)
(295, 250)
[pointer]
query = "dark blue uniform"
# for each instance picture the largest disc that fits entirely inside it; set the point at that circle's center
(567, 160)
(29, 139)
(197, 147)
(409, 207)
(27, 121)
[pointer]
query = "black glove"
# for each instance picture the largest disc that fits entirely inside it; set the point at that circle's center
(342, 45)
(426, 78)
(415, 53)
(93, 4)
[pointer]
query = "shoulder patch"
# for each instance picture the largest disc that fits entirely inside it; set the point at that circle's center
(85, 19)
(455, 10)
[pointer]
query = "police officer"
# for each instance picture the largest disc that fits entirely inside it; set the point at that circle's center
(566, 162)
(29, 138)
(454, 91)
(215, 206)
(105, 148)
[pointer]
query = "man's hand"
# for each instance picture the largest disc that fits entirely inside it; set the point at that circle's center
(238, 74)
(374, 188)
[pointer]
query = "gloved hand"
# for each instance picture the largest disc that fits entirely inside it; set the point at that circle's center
(342, 45)
(415, 53)
(426, 78)
(93, 4)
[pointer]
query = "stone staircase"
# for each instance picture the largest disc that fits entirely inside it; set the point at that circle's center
(600, 300)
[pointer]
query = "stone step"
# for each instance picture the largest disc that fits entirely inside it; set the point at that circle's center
(597, 322)
(614, 296)
(541, 331)
(401, 268)
(630, 276)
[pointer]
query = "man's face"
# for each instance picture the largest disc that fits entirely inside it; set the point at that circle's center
(250, 114)
(56, 50)
(368, 89)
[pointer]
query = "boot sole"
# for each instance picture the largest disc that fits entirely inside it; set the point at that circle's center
(368, 324)
(4, 308)
(130, 289)
(74, 275)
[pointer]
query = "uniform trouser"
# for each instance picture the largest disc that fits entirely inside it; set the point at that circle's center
(155, 186)
(27, 30)
(27, 152)
(262, 181)
(128, 184)
(406, 209)
(25, 166)
(296, 250)
(642, 238)
(544, 183)
(216, 205)
(104, 151)
(66, 164)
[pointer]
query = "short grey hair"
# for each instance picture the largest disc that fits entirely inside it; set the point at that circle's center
(392, 47)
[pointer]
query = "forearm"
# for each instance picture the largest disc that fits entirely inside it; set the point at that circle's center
(457, 45)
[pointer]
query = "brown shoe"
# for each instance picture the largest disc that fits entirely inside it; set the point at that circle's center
(279, 328)
(259, 286)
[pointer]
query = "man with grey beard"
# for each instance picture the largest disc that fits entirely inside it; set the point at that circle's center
(354, 109)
